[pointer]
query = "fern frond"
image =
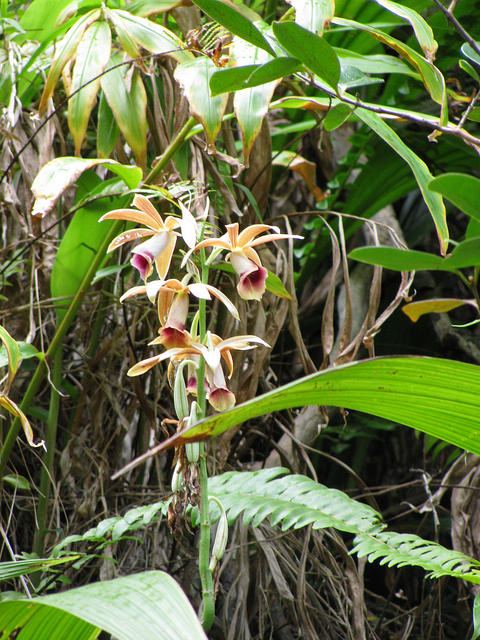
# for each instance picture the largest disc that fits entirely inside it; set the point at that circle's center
(404, 549)
(293, 501)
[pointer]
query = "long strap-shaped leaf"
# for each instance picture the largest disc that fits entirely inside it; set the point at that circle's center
(439, 397)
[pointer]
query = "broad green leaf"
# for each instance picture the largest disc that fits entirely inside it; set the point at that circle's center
(419, 169)
(16, 568)
(149, 35)
(461, 189)
(79, 245)
(476, 618)
(127, 43)
(313, 51)
(57, 175)
(414, 310)
(336, 116)
(431, 76)
(252, 75)
(313, 15)
(237, 18)
(17, 481)
(399, 259)
(352, 77)
(26, 350)
(194, 77)
(13, 356)
(470, 53)
(413, 391)
(93, 54)
(129, 105)
(145, 606)
(251, 105)
(40, 18)
(64, 52)
(465, 254)
(107, 129)
(423, 32)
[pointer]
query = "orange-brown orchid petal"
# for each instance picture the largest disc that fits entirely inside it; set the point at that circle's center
(223, 298)
(242, 343)
(164, 259)
(227, 356)
(272, 237)
(252, 232)
(131, 215)
(144, 204)
(146, 365)
(171, 223)
(164, 302)
(252, 255)
(232, 231)
(213, 242)
(128, 236)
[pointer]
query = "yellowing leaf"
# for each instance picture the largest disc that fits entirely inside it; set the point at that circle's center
(303, 167)
(64, 52)
(13, 353)
(414, 310)
(129, 108)
(194, 77)
(12, 408)
(92, 56)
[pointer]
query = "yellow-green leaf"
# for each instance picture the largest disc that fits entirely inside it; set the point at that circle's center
(313, 15)
(13, 353)
(194, 77)
(107, 129)
(129, 107)
(93, 53)
(414, 310)
(65, 52)
(423, 32)
(12, 408)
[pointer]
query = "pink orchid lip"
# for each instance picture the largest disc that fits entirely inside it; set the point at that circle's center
(147, 252)
(192, 386)
(173, 338)
(252, 283)
(221, 399)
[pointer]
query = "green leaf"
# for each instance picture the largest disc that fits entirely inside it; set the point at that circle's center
(251, 105)
(107, 129)
(17, 568)
(149, 35)
(420, 170)
(413, 391)
(19, 482)
(313, 15)
(92, 56)
(470, 69)
(237, 18)
(423, 32)
(57, 175)
(461, 189)
(313, 51)
(26, 350)
(377, 63)
(146, 8)
(64, 52)
(252, 75)
(399, 259)
(292, 501)
(79, 247)
(146, 605)
(129, 106)
(476, 618)
(194, 77)
(40, 18)
(470, 53)
(336, 116)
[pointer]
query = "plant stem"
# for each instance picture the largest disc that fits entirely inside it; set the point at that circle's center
(56, 342)
(208, 595)
(170, 150)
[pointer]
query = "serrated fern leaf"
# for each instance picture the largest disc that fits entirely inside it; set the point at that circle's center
(293, 501)
(401, 549)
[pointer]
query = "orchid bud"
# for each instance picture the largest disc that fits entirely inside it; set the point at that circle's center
(221, 537)
(177, 478)
(180, 399)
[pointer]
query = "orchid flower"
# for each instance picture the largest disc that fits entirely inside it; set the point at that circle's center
(244, 258)
(219, 396)
(172, 303)
(160, 246)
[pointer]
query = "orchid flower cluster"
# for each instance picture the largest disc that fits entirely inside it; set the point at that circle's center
(172, 296)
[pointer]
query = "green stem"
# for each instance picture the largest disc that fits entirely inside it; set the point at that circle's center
(47, 468)
(208, 595)
(56, 342)
(170, 150)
